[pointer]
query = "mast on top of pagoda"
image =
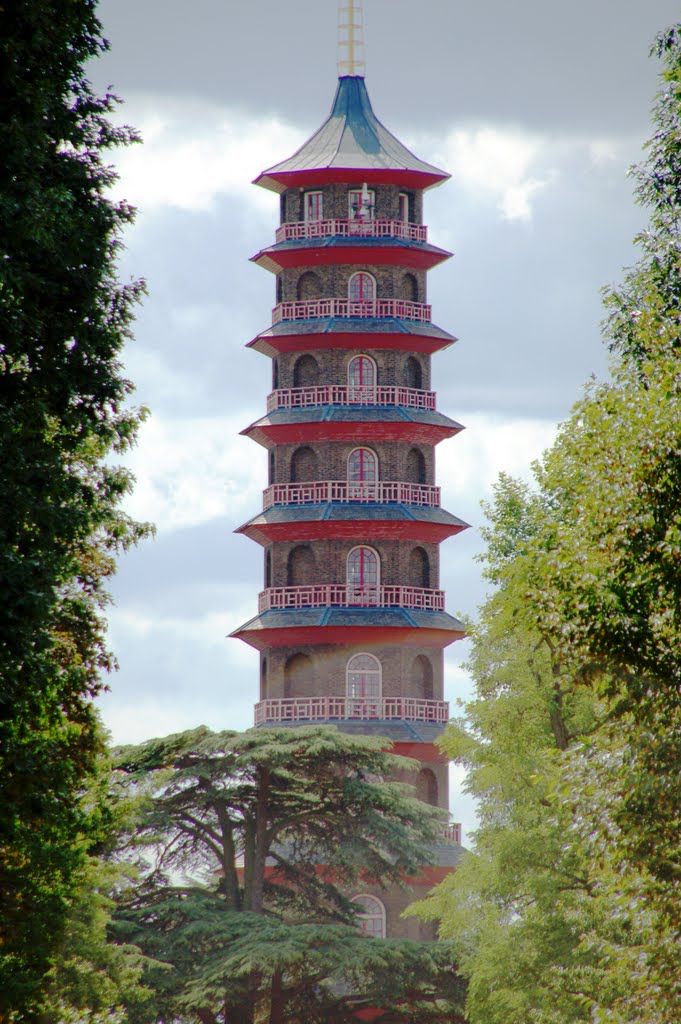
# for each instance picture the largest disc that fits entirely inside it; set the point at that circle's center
(351, 38)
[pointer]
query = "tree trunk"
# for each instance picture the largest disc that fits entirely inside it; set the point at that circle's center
(260, 851)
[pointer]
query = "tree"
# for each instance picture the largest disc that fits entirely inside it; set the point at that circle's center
(588, 604)
(63, 321)
(249, 846)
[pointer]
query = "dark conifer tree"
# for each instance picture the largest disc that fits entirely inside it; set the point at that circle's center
(63, 321)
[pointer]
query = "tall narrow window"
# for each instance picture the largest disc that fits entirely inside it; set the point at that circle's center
(361, 288)
(412, 373)
(362, 372)
(361, 203)
(362, 570)
(363, 677)
(371, 917)
(403, 207)
(313, 206)
(362, 475)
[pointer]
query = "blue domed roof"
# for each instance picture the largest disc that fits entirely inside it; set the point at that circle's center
(352, 138)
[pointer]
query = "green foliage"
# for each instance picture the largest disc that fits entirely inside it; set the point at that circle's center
(248, 845)
(569, 908)
(63, 321)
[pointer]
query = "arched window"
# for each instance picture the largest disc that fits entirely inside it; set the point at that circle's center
(426, 787)
(419, 568)
(272, 464)
(371, 916)
(363, 677)
(362, 467)
(309, 286)
(413, 377)
(275, 374)
(305, 372)
(409, 288)
(300, 569)
(304, 465)
(299, 676)
(422, 678)
(268, 568)
(362, 570)
(263, 678)
(361, 372)
(361, 288)
(416, 466)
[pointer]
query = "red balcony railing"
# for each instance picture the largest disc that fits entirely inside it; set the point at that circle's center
(453, 832)
(315, 309)
(349, 394)
(344, 595)
(352, 229)
(318, 491)
(323, 709)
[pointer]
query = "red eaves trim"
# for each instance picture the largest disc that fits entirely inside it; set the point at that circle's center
(277, 344)
(270, 434)
(348, 529)
(397, 255)
(288, 636)
(421, 752)
(280, 180)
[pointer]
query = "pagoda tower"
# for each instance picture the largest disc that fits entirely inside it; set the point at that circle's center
(351, 624)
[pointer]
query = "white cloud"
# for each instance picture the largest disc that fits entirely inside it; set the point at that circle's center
(192, 153)
(503, 165)
(190, 471)
(469, 464)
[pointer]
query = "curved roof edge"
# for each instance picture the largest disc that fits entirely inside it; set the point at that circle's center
(351, 139)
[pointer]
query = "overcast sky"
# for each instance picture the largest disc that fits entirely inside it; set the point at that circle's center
(537, 108)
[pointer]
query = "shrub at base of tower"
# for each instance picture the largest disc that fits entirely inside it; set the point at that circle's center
(248, 846)
(63, 414)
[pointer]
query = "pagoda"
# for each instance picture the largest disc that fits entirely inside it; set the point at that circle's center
(351, 623)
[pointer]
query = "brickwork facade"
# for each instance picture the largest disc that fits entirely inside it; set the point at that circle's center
(328, 282)
(336, 202)
(330, 366)
(356, 671)
(328, 460)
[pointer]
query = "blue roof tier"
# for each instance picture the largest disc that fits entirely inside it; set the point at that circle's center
(356, 510)
(344, 332)
(352, 139)
(351, 423)
(397, 730)
(334, 248)
(337, 625)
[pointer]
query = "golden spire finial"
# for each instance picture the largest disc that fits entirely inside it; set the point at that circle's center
(350, 38)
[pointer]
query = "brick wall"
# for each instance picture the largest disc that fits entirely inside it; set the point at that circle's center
(392, 367)
(335, 202)
(325, 282)
(331, 457)
(402, 563)
(402, 670)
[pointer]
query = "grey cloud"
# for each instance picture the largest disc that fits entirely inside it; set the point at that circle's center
(544, 64)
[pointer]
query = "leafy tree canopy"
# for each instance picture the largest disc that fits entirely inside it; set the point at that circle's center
(569, 907)
(249, 847)
(63, 321)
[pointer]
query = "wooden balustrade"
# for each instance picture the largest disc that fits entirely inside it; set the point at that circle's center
(354, 228)
(350, 394)
(347, 595)
(324, 709)
(317, 492)
(315, 309)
